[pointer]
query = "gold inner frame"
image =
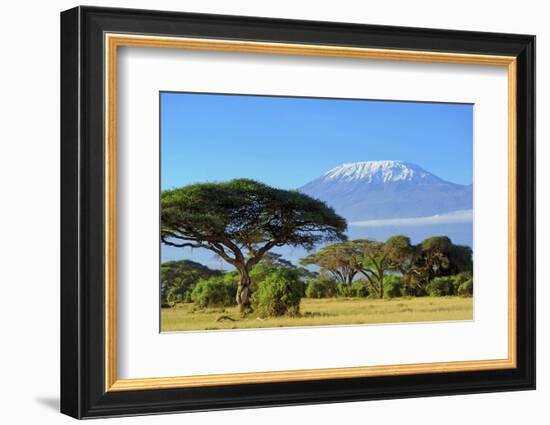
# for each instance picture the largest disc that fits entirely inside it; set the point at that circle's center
(113, 41)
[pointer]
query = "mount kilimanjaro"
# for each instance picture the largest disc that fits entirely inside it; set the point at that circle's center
(374, 190)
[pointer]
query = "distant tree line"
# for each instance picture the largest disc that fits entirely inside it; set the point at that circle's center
(395, 266)
(359, 269)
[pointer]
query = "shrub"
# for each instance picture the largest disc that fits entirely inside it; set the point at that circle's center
(260, 271)
(231, 278)
(360, 289)
(187, 297)
(178, 294)
(321, 287)
(178, 279)
(416, 287)
(392, 286)
(343, 290)
(278, 294)
(459, 279)
(466, 288)
(356, 289)
(214, 292)
(441, 287)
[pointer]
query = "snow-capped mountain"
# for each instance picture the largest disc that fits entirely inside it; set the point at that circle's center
(379, 172)
(387, 189)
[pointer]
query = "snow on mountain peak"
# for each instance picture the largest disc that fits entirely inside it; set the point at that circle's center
(377, 172)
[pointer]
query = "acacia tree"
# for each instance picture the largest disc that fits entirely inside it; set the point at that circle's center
(403, 257)
(375, 263)
(438, 256)
(241, 220)
(371, 258)
(342, 260)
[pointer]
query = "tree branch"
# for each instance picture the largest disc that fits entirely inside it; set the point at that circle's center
(260, 253)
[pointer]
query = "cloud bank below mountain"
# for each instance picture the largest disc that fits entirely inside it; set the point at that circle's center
(463, 216)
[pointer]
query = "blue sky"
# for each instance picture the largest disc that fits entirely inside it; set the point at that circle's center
(287, 142)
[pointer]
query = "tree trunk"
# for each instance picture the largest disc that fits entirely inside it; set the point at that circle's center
(381, 280)
(243, 292)
(408, 284)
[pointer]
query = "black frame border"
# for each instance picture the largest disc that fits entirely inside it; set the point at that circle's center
(82, 205)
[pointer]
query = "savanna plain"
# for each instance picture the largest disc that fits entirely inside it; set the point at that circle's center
(323, 312)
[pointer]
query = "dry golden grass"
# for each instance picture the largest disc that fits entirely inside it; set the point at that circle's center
(324, 312)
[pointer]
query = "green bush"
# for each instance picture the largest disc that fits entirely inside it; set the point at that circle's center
(216, 291)
(343, 290)
(321, 287)
(178, 278)
(393, 286)
(260, 272)
(441, 287)
(278, 294)
(175, 295)
(231, 278)
(466, 288)
(360, 289)
(459, 279)
(179, 294)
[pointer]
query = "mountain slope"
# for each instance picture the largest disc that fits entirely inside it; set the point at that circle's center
(387, 189)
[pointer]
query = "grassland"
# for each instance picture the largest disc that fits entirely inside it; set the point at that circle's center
(323, 312)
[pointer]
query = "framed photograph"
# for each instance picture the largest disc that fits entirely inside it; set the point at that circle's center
(261, 212)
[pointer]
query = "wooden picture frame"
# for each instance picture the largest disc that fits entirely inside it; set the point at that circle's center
(90, 39)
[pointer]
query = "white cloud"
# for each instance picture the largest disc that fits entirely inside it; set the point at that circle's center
(462, 216)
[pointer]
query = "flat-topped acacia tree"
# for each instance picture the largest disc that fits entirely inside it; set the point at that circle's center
(241, 220)
(342, 260)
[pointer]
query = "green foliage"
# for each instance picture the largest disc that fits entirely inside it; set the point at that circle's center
(178, 278)
(371, 258)
(278, 294)
(440, 257)
(403, 258)
(245, 212)
(360, 289)
(179, 294)
(466, 288)
(342, 260)
(231, 278)
(460, 278)
(398, 248)
(214, 292)
(259, 273)
(274, 262)
(393, 286)
(436, 244)
(343, 290)
(379, 258)
(441, 287)
(461, 259)
(417, 288)
(322, 287)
